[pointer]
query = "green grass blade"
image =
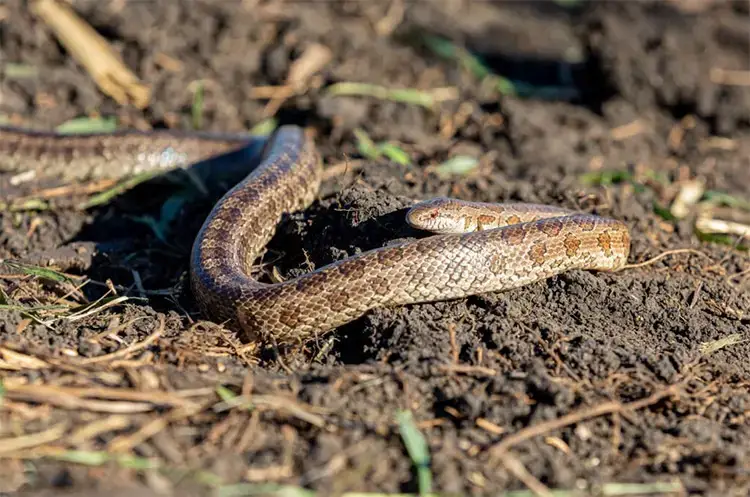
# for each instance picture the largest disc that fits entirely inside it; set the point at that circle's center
(416, 446)
(605, 178)
(85, 125)
(401, 95)
(39, 272)
(225, 394)
(460, 165)
(449, 51)
(721, 198)
(31, 204)
(85, 457)
(265, 127)
(394, 153)
(20, 71)
(120, 188)
(197, 107)
(366, 146)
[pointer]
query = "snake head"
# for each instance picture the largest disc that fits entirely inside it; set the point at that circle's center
(441, 215)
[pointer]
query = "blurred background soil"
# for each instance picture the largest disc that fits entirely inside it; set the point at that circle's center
(619, 107)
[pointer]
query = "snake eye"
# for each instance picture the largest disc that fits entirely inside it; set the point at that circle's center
(434, 214)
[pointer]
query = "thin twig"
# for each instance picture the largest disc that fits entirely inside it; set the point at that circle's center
(341, 168)
(504, 445)
(665, 254)
(92, 309)
(125, 443)
(468, 369)
(274, 402)
(517, 469)
(454, 345)
(131, 348)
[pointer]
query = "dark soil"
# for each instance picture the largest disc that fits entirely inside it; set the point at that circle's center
(473, 372)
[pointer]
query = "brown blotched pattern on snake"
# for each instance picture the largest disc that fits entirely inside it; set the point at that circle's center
(441, 267)
(507, 246)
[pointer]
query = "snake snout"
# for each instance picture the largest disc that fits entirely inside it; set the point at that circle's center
(415, 218)
(441, 215)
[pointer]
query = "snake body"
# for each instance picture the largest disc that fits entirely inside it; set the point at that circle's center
(506, 246)
(111, 155)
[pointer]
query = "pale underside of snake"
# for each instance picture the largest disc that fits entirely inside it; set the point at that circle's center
(479, 247)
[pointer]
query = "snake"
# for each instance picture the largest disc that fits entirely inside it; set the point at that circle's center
(474, 247)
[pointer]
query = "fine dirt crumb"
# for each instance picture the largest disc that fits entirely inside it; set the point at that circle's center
(142, 376)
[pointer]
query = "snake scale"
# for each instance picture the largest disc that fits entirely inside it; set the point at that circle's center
(478, 247)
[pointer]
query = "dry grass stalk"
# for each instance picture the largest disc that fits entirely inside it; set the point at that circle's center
(689, 195)
(722, 227)
(153, 337)
(66, 400)
(301, 71)
(17, 361)
(92, 430)
(93, 52)
(125, 443)
(72, 396)
(14, 444)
